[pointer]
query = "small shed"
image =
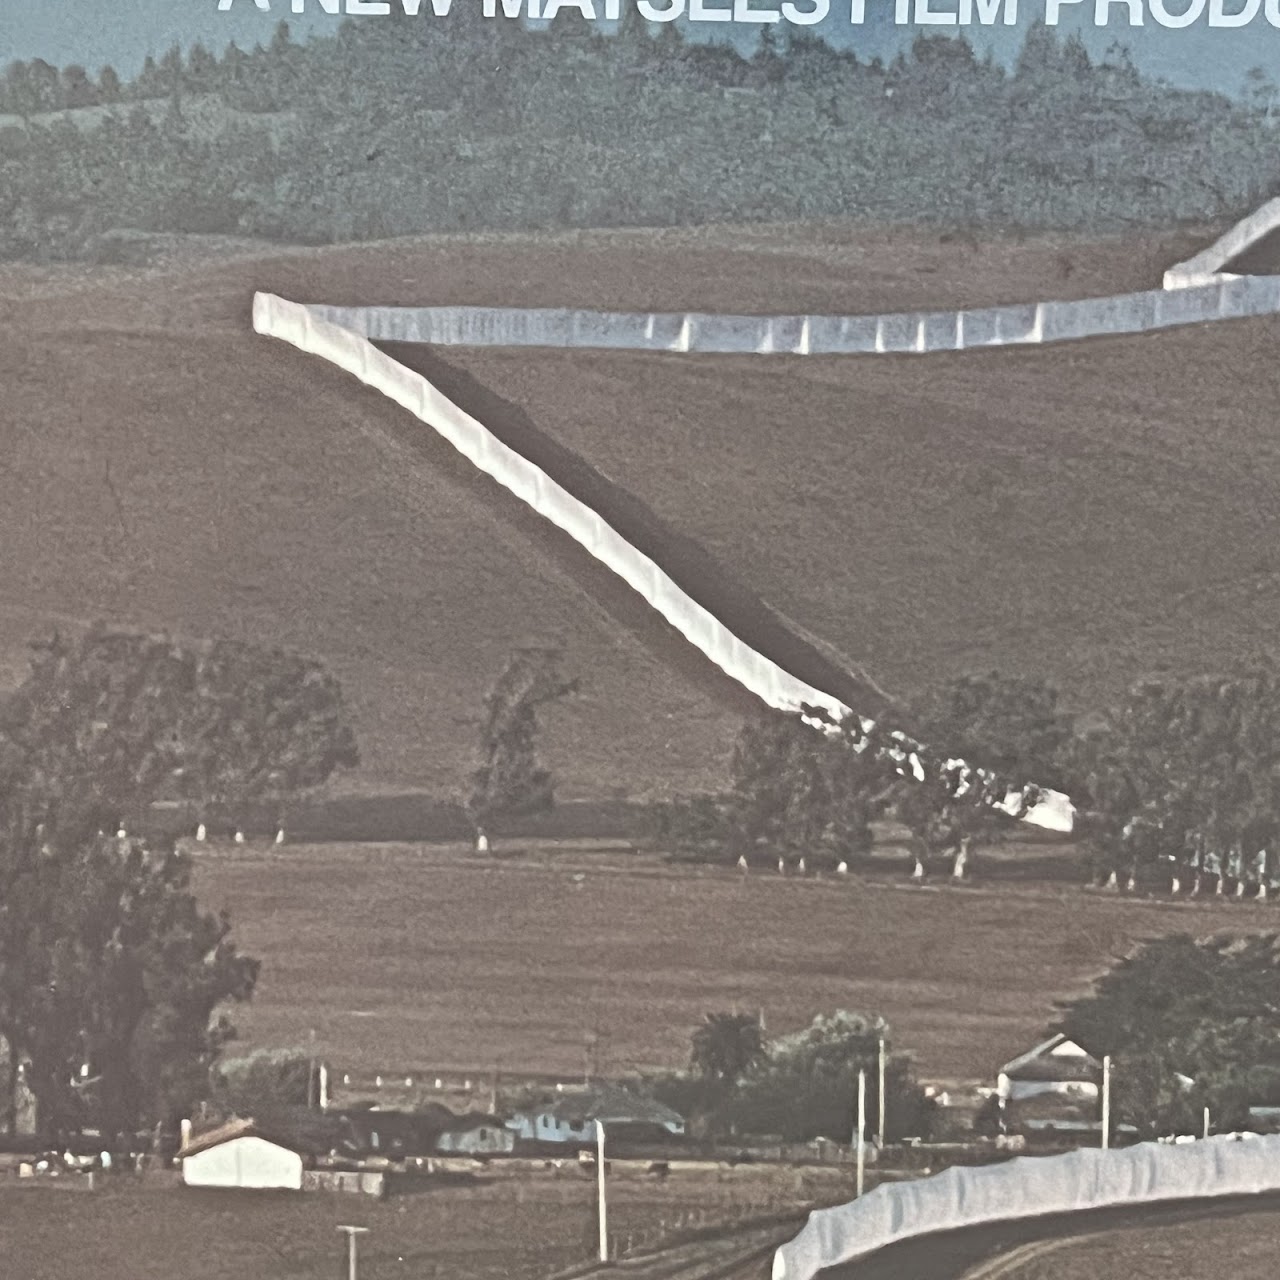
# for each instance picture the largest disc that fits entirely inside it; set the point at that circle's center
(239, 1154)
(476, 1134)
(571, 1117)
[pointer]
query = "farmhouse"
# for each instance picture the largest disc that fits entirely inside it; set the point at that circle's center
(1054, 1085)
(571, 1117)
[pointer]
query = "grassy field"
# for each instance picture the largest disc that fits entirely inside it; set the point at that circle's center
(1091, 511)
(405, 957)
(1196, 1250)
(499, 1231)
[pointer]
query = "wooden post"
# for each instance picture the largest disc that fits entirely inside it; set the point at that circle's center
(1106, 1102)
(311, 1072)
(600, 1194)
(860, 1140)
(352, 1232)
(1206, 1123)
(880, 1095)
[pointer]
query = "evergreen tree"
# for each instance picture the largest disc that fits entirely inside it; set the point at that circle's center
(109, 88)
(202, 69)
(77, 90)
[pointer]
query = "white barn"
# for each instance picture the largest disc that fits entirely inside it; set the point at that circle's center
(237, 1155)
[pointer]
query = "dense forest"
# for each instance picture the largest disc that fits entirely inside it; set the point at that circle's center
(402, 126)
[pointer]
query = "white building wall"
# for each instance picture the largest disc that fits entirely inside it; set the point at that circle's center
(1019, 1089)
(244, 1162)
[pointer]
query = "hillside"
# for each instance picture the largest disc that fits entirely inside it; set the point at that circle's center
(1089, 511)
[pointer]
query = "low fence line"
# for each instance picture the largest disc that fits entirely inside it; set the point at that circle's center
(1026, 1187)
(313, 330)
(904, 333)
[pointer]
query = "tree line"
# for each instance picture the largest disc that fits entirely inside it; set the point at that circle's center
(1177, 786)
(1189, 1024)
(795, 1087)
(402, 127)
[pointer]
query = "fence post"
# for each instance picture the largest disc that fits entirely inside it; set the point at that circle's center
(1106, 1102)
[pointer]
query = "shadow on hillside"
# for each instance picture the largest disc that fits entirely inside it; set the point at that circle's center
(686, 561)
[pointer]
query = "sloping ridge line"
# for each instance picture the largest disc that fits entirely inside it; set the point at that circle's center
(759, 674)
(1026, 1187)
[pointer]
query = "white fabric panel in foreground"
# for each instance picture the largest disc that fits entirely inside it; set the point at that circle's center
(1207, 264)
(902, 334)
(1027, 1187)
(312, 330)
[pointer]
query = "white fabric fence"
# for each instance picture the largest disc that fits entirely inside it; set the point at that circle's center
(1222, 298)
(314, 330)
(1027, 1187)
(1206, 265)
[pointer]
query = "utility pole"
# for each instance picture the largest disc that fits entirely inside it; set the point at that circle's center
(600, 1195)
(311, 1072)
(1206, 1122)
(1106, 1102)
(880, 1098)
(352, 1232)
(859, 1139)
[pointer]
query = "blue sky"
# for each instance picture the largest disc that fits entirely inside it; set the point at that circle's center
(122, 32)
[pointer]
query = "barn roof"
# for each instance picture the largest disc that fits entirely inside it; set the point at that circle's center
(473, 1120)
(303, 1131)
(1057, 1058)
(609, 1103)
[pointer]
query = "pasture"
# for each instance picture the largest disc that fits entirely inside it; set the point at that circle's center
(485, 1231)
(401, 956)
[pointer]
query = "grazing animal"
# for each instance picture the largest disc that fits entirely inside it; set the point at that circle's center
(239, 836)
(800, 866)
(782, 867)
(201, 833)
(742, 862)
(279, 835)
(842, 869)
